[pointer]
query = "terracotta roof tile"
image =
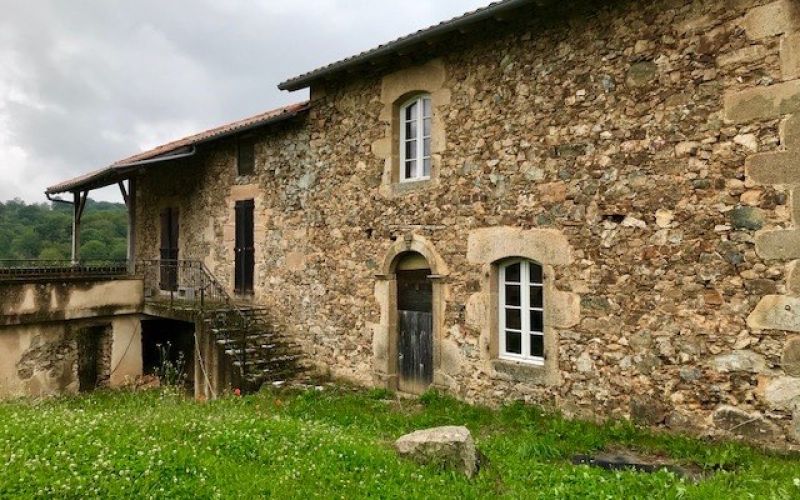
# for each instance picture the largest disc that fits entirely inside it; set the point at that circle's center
(109, 174)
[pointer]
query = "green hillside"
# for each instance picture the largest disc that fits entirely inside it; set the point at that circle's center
(44, 231)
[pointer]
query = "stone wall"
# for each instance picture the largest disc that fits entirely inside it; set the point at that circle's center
(640, 152)
(42, 324)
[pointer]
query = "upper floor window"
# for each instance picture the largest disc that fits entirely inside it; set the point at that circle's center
(522, 312)
(246, 156)
(415, 139)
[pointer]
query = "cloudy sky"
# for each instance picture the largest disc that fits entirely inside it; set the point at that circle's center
(86, 82)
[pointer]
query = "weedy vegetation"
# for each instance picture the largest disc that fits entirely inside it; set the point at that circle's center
(337, 443)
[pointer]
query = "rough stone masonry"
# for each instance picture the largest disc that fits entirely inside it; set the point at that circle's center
(646, 154)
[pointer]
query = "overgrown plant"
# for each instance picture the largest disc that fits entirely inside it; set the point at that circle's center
(169, 372)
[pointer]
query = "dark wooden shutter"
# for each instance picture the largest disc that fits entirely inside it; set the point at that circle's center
(244, 248)
(169, 249)
(246, 156)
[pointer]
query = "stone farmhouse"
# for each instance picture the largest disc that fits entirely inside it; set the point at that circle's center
(585, 205)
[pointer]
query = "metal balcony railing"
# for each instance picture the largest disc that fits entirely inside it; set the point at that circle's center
(24, 269)
(183, 283)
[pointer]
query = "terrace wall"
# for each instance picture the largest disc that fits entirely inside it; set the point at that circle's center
(44, 323)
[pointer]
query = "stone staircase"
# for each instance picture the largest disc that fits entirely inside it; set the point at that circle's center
(255, 344)
(255, 347)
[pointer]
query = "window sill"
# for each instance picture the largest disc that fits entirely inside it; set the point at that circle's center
(405, 187)
(518, 371)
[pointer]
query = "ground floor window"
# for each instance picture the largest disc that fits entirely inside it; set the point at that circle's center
(521, 290)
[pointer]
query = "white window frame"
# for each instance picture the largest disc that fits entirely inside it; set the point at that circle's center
(418, 172)
(525, 284)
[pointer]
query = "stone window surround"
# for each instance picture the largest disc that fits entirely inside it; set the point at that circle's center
(385, 341)
(396, 90)
(491, 247)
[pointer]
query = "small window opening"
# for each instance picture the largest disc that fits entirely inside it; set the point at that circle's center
(246, 156)
(615, 218)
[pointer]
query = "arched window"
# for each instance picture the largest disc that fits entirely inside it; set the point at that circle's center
(415, 139)
(521, 291)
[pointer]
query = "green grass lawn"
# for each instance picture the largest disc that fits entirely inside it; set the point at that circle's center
(336, 443)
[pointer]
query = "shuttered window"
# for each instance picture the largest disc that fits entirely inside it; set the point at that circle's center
(244, 248)
(522, 312)
(169, 249)
(246, 156)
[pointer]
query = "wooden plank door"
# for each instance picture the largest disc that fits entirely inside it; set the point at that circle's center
(169, 249)
(415, 330)
(244, 249)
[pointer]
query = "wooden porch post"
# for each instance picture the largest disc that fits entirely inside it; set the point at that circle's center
(78, 204)
(130, 202)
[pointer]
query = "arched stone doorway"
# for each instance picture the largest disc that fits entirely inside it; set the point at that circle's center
(407, 342)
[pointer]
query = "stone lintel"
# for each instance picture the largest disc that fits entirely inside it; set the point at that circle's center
(781, 167)
(776, 312)
(781, 16)
(763, 103)
(781, 244)
(545, 246)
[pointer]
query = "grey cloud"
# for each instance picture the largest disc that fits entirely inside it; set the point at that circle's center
(93, 81)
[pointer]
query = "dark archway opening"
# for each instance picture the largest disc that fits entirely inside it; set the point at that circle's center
(94, 357)
(168, 351)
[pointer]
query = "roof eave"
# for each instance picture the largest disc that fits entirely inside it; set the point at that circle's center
(120, 171)
(405, 43)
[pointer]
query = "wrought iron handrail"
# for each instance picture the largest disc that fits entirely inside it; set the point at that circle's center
(183, 276)
(35, 268)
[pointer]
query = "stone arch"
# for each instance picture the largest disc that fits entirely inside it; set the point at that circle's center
(413, 243)
(385, 333)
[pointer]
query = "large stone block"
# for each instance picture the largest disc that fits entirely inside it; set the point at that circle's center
(751, 426)
(740, 361)
(450, 447)
(782, 393)
(780, 244)
(781, 167)
(776, 312)
(763, 103)
(793, 278)
(789, 131)
(790, 56)
(747, 54)
(772, 19)
(790, 360)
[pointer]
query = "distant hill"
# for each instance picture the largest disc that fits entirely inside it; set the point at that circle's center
(44, 231)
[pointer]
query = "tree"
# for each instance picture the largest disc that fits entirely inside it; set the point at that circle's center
(44, 231)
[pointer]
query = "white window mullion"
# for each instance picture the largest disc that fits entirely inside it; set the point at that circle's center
(525, 301)
(421, 142)
(502, 310)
